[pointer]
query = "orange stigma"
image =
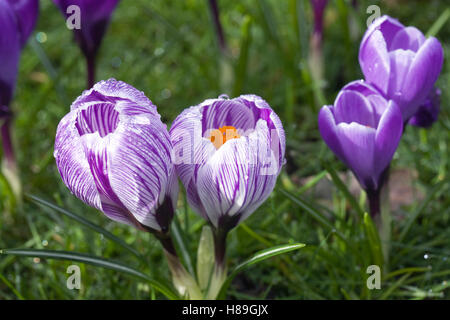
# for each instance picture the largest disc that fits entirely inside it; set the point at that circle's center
(219, 136)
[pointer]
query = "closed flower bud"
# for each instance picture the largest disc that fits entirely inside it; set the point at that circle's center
(400, 62)
(114, 153)
(363, 129)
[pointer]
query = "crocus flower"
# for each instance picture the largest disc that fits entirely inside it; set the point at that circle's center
(17, 20)
(400, 62)
(228, 154)
(94, 20)
(363, 129)
(114, 153)
(9, 54)
(26, 12)
(428, 111)
(318, 9)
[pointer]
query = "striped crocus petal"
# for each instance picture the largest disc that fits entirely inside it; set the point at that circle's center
(114, 153)
(9, 54)
(26, 12)
(225, 183)
(95, 16)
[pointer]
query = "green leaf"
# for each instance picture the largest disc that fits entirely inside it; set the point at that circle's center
(434, 192)
(343, 188)
(439, 23)
(87, 223)
(240, 70)
(258, 257)
(374, 240)
(92, 260)
(205, 257)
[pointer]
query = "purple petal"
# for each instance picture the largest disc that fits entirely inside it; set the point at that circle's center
(9, 53)
(387, 26)
(388, 136)
(233, 182)
(358, 146)
(72, 163)
(328, 130)
(422, 75)
(428, 112)
(409, 38)
(352, 106)
(141, 172)
(374, 60)
(26, 12)
(95, 16)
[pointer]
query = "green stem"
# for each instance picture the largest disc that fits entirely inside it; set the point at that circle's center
(182, 280)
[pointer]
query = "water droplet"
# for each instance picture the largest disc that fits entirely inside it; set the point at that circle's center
(41, 37)
(116, 62)
(224, 96)
(158, 52)
(426, 256)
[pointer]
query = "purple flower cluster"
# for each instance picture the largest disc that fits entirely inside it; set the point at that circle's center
(114, 153)
(365, 124)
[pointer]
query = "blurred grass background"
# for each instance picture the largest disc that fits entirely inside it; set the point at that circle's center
(169, 50)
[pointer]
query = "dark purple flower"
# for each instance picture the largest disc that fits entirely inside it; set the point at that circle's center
(9, 54)
(228, 154)
(428, 111)
(114, 153)
(400, 62)
(318, 9)
(95, 16)
(363, 129)
(26, 14)
(94, 20)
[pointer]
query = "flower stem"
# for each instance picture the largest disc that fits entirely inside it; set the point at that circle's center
(9, 164)
(220, 268)
(90, 66)
(182, 280)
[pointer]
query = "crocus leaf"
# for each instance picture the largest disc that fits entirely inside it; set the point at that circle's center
(258, 257)
(374, 241)
(341, 186)
(92, 260)
(87, 223)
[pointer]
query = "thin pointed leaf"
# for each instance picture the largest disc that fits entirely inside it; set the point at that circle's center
(87, 223)
(341, 186)
(92, 260)
(258, 257)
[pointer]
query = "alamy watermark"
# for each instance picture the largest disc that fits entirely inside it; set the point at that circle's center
(374, 280)
(74, 280)
(74, 17)
(375, 12)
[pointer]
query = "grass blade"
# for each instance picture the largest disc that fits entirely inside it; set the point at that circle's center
(88, 224)
(258, 257)
(341, 186)
(413, 217)
(439, 23)
(92, 260)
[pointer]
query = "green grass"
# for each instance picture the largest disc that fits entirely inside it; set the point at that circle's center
(169, 51)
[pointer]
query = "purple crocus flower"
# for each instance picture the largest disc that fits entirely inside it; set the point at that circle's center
(428, 111)
(228, 154)
(363, 129)
(26, 12)
(114, 153)
(94, 20)
(318, 9)
(17, 20)
(400, 62)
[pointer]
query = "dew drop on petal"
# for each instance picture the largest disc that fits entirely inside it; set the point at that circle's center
(224, 96)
